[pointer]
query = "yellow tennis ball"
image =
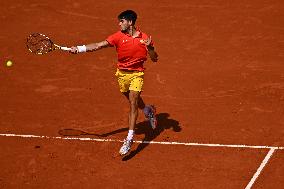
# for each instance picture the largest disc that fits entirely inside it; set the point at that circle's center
(9, 63)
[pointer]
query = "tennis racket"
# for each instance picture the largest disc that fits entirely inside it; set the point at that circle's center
(40, 44)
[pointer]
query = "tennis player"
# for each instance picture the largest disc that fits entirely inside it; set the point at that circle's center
(132, 46)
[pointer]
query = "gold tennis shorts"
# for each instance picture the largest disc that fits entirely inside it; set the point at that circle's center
(130, 80)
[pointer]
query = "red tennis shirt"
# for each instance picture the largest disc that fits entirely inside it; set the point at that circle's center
(131, 53)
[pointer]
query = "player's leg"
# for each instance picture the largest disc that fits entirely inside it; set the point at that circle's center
(124, 80)
(141, 104)
(133, 97)
(133, 113)
(131, 86)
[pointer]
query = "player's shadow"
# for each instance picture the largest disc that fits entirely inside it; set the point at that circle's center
(144, 128)
(141, 128)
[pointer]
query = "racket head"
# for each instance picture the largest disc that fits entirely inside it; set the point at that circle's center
(39, 44)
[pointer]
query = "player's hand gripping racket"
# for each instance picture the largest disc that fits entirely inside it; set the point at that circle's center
(40, 44)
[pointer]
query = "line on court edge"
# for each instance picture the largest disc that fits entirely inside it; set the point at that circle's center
(262, 165)
(145, 142)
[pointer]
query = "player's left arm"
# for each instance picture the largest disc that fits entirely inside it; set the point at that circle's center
(152, 53)
(151, 50)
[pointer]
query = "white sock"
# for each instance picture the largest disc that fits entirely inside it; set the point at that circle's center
(130, 135)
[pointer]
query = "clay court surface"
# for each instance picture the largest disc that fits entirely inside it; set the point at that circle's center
(218, 87)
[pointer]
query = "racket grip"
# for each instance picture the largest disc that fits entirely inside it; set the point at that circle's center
(65, 48)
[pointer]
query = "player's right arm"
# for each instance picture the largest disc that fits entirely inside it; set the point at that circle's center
(90, 47)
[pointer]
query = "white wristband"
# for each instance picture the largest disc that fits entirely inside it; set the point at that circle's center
(82, 48)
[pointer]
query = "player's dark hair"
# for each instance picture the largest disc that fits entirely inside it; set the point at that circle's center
(129, 15)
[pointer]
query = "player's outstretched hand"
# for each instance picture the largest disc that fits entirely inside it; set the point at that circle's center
(74, 50)
(147, 42)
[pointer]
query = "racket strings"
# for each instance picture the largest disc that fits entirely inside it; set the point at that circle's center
(39, 43)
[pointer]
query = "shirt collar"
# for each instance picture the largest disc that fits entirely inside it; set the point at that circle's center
(140, 33)
(138, 30)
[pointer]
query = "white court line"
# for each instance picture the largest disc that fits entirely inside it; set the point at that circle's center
(146, 142)
(262, 165)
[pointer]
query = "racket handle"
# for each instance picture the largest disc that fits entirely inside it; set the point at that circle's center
(65, 48)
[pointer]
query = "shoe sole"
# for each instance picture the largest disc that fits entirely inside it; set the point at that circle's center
(153, 121)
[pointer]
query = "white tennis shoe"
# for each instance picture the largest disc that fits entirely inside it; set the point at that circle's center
(126, 146)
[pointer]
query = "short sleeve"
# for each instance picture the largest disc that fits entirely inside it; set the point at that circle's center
(113, 39)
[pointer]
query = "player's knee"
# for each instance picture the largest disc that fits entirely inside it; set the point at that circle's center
(134, 103)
